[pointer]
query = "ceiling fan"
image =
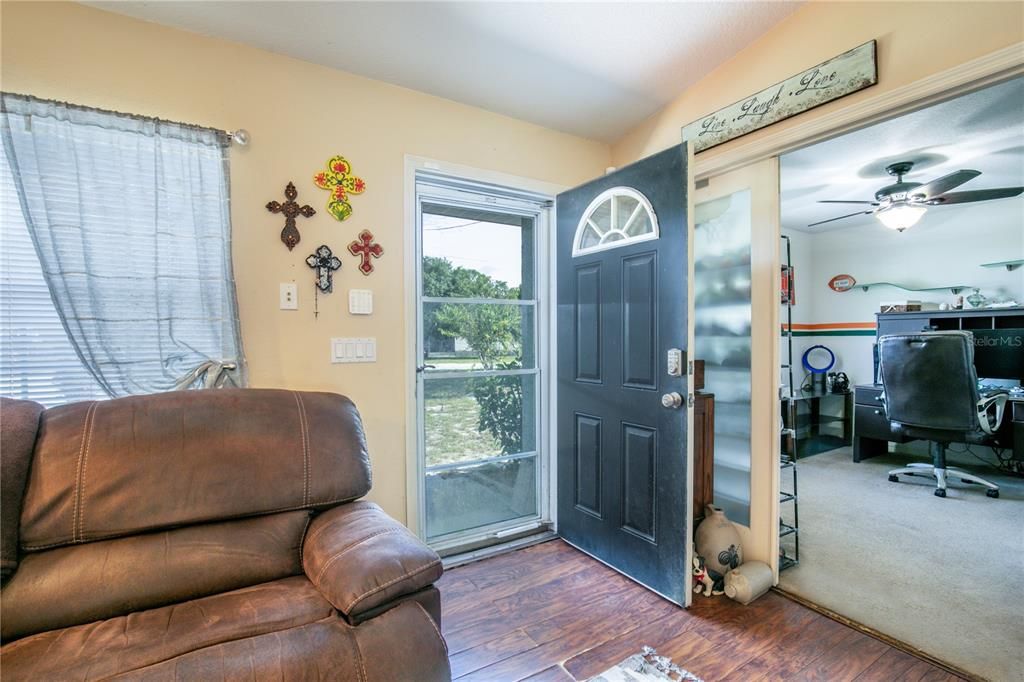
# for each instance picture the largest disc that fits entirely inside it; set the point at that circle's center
(901, 205)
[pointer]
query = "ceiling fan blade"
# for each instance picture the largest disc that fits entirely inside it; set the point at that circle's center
(838, 201)
(930, 190)
(848, 215)
(977, 195)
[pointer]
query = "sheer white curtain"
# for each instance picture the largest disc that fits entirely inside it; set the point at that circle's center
(129, 218)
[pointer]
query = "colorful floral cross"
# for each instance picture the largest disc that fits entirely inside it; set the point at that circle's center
(364, 247)
(339, 181)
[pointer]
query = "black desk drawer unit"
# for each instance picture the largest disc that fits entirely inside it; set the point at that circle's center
(871, 430)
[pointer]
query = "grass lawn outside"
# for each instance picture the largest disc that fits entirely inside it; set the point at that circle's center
(452, 416)
(452, 430)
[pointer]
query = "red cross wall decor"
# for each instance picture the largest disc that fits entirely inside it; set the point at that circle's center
(364, 247)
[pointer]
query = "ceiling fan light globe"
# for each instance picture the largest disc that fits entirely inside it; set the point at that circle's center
(901, 217)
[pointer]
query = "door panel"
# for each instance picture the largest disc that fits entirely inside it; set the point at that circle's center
(622, 305)
(639, 486)
(588, 323)
(588, 464)
(639, 321)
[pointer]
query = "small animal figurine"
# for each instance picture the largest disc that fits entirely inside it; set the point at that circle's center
(703, 582)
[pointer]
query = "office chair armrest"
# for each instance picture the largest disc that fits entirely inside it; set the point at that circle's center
(990, 411)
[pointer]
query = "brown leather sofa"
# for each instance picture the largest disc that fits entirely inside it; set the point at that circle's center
(206, 535)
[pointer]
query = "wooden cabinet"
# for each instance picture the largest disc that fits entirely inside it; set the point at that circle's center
(704, 452)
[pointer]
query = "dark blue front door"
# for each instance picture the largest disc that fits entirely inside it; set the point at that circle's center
(622, 307)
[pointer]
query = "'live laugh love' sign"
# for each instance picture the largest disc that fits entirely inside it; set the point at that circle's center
(839, 76)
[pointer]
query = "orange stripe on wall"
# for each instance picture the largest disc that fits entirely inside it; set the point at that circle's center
(834, 325)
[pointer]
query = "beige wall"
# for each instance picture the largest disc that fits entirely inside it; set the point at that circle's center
(915, 39)
(299, 115)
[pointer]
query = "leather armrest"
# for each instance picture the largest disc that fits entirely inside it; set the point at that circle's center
(360, 558)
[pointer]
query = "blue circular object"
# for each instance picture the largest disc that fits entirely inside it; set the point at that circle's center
(818, 370)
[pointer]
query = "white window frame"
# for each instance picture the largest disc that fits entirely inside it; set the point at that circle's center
(545, 347)
(611, 195)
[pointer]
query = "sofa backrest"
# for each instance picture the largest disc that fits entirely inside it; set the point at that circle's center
(115, 468)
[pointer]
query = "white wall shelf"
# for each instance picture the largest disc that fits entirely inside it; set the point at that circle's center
(955, 288)
(1010, 265)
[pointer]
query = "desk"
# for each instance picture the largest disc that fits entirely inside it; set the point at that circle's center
(808, 422)
(998, 332)
(1016, 405)
(872, 433)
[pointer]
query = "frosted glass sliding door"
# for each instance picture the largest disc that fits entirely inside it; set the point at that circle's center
(722, 338)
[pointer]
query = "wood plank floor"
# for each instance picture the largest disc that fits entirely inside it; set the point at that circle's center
(549, 612)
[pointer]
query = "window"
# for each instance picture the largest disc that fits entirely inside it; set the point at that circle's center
(616, 217)
(116, 260)
(37, 360)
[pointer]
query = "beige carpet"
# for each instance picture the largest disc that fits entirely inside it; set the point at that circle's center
(944, 575)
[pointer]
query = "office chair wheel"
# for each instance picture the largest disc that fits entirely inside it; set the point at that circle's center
(939, 492)
(894, 478)
(992, 493)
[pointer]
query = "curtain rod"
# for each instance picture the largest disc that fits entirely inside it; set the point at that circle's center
(240, 136)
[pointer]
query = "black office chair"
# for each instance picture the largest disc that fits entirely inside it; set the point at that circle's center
(931, 392)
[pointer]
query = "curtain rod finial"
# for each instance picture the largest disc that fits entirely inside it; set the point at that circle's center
(240, 137)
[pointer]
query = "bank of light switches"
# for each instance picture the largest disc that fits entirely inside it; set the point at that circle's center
(360, 301)
(354, 350)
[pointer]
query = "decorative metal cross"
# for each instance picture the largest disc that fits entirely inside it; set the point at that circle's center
(325, 263)
(290, 234)
(364, 247)
(338, 179)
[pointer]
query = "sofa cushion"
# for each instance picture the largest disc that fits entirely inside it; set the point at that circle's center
(106, 648)
(83, 583)
(361, 558)
(19, 420)
(120, 467)
(400, 645)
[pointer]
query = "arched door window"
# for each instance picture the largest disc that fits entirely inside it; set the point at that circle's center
(616, 217)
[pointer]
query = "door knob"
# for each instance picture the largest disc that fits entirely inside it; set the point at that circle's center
(672, 400)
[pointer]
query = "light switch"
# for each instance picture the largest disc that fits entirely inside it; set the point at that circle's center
(353, 350)
(289, 296)
(360, 301)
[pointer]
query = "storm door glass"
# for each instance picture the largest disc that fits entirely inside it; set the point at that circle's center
(478, 373)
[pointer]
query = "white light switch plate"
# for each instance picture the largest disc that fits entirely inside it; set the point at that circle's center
(360, 301)
(353, 350)
(289, 296)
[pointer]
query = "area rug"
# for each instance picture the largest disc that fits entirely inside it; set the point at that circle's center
(943, 575)
(646, 666)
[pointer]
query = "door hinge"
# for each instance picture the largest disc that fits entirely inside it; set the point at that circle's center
(689, 400)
